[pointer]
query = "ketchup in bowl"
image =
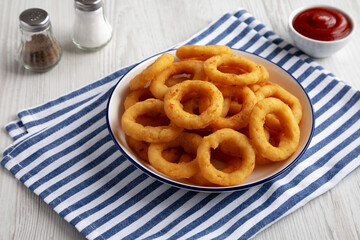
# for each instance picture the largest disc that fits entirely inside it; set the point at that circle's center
(322, 24)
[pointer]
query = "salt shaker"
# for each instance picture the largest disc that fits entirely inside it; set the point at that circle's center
(39, 51)
(91, 29)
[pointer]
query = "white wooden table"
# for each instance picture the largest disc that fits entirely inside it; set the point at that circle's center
(141, 29)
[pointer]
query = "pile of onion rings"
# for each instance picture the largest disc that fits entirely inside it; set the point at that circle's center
(209, 116)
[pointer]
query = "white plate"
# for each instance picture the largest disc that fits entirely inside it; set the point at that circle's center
(260, 174)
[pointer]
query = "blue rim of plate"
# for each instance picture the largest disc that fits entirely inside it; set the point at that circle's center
(203, 188)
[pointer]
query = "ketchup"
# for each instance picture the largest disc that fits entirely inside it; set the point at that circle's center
(322, 24)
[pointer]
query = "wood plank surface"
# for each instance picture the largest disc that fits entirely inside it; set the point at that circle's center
(141, 29)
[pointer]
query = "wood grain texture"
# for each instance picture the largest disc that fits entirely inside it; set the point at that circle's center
(141, 29)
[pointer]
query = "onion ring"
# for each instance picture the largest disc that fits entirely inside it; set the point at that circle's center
(174, 109)
(274, 90)
(162, 62)
(175, 80)
(204, 103)
(200, 52)
(148, 133)
(220, 160)
(158, 87)
(256, 86)
(240, 119)
(137, 96)
(274, 138)
(139, 147)
(289, 140)
(254, 72)
(212, 142)
(231, 150)
(190, 142)
(172, 154)
(197, 178)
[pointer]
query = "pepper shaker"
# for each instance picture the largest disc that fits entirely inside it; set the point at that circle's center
(91, 29)
(39, 51)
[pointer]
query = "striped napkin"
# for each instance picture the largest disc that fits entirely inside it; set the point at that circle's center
(63, 152)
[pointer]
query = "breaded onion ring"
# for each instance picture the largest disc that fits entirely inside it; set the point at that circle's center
(289, 140)
(197, 178)
(148, 133)
(194, 67)
(231, 150)
(162, 62)
(174, 109)
(189, 142)
(220, 161)
(228, 178)
(175, 80)
(240, 119)
(139, 147)
(274, 90)
(204, 103)
(137, 96)
(200, 52)
(254, 72)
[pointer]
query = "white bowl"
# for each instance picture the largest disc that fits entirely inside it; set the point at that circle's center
(260, 174)
(316, 48)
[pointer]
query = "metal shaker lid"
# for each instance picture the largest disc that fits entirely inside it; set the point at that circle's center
(88, 5)
(34, 20)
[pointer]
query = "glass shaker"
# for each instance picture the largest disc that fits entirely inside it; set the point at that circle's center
(91, 29)
(39, 51)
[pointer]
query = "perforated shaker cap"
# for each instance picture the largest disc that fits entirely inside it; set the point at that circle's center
(34, 20)
(88, 5)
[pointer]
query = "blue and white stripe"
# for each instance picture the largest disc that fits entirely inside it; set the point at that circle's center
(63, 152)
